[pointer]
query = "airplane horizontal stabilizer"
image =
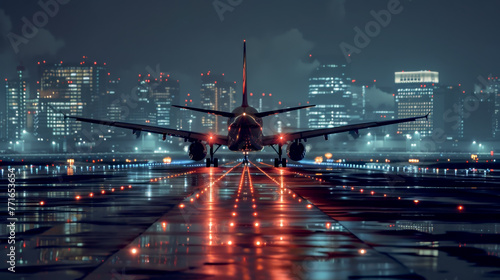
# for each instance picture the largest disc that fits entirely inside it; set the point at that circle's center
(213, 112)
(274, 112)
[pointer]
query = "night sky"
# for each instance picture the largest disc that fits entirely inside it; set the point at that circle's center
(186, 37)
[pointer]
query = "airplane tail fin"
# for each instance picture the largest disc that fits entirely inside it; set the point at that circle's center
(244, 103)
(274, 112)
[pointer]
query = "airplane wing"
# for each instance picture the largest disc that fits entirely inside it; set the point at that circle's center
(138, 128)
(287, 137)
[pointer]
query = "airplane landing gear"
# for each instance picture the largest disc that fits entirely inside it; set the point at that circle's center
(245, 158)
(212, 160)
(279, 160)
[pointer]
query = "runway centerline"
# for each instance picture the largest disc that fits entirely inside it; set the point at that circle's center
(245, 223)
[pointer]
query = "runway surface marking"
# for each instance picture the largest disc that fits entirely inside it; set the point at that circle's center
(247, 224)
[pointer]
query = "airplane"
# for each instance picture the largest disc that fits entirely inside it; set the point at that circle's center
(245, 131)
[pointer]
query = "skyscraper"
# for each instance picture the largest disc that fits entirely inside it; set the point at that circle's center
(76, 89)
(329, 90)
(143, 111)
(448, 112)
(478, 123)
(493, 88)
(113, 101)
(186, 118)
(160, 92)
(166, 92)
(17, 93)
(415, 97)
(262, 102)
(216, 94)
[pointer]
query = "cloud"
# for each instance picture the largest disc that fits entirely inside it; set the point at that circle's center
(376, 98)
(278, 64)
(42, 43)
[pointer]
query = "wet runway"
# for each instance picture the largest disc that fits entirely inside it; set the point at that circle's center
(253, 222)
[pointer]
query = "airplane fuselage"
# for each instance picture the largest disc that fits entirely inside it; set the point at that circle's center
(245, 130)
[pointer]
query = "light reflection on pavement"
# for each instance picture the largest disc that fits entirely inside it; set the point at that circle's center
(244, 223)
(256, 222)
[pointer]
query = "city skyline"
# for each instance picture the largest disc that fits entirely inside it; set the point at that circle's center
(87, 89)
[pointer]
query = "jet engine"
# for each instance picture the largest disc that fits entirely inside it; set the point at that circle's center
(296, 151)
(197, 151)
